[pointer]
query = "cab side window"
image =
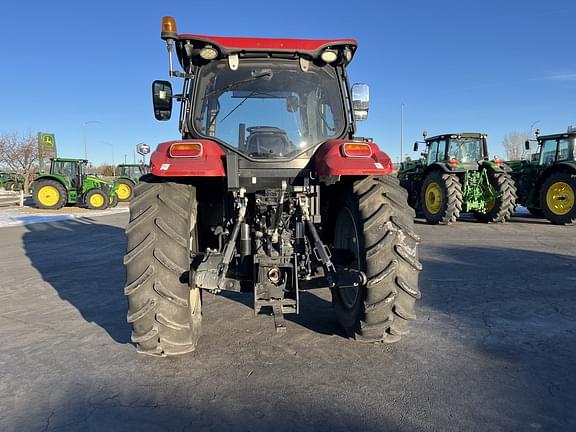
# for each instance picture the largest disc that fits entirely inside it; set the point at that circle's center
(433, 152)
(564, 149)
(548, 152)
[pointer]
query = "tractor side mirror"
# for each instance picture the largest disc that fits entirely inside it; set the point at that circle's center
(527, 145)
(162, 99)
(360, 101)
(415, 146)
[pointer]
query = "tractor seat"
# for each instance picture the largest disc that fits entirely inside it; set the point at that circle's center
(264, 140)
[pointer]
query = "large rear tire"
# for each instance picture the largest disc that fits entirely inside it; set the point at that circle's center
(441, 198)
(376, 224)
(165, 313)
(50, 194)
(557, 198)
(500, 209)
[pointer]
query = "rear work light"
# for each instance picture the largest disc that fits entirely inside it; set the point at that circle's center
(187, 150)
(356, 150)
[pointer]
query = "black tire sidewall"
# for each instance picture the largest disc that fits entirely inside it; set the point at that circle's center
(349, 318)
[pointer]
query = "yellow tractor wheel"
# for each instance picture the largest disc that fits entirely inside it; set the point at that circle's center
(125, 190)
(557, 198)
(97, 200)
(49, 194)
(433, 197)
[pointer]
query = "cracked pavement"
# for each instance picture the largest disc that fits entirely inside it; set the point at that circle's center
(493, 348)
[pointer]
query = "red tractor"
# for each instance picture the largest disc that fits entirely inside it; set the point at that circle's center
(268, 192)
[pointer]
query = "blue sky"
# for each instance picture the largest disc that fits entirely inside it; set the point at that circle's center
(490, 66)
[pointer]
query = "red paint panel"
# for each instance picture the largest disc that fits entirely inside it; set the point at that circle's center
(329, 161)
(260, 44)
(210, 164)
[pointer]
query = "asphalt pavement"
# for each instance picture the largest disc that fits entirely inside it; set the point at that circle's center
(493, 347)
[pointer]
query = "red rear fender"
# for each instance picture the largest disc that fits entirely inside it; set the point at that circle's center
(209, 164)
(330, 160)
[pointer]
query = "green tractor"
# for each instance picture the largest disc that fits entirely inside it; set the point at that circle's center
(455, 175)
(547, 182)
(67, 183)
(128, 178)
(11, 181)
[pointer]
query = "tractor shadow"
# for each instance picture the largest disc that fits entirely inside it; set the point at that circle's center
(516, 307)
(82, 261)
(316, 311)
(239, 408)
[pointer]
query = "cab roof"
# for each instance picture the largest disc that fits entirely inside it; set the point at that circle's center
(230, 45)
(456, 135)
(188, 45)
(61, 159)
(556, 136)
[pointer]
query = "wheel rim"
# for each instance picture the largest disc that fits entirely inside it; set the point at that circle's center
(124, 191)
(560, 198)
(48, 196)
(433, 198)
(97, 200)
(346, 237)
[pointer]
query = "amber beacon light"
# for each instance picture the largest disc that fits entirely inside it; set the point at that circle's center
(168, 27)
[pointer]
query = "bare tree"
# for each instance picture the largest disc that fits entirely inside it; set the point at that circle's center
(20, 155)
(514, 145)
(103, 170)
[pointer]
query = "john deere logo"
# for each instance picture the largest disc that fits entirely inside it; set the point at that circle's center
(47, 139)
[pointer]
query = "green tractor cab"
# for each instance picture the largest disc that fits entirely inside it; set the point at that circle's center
(128, 178)
(455, 175)
(67, 183)
(547, 182)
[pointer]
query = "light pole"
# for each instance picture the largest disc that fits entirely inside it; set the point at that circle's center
(84, 135)
(401, 132)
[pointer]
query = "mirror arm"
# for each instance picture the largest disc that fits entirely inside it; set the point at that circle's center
(179, 74)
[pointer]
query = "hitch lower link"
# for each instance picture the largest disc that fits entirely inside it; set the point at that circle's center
(346, 278)
(211, 272)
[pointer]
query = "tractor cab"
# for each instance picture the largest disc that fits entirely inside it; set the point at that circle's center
(456, 149)
(133, 171)
(72, 171)
(556, 148)
(265, 107)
